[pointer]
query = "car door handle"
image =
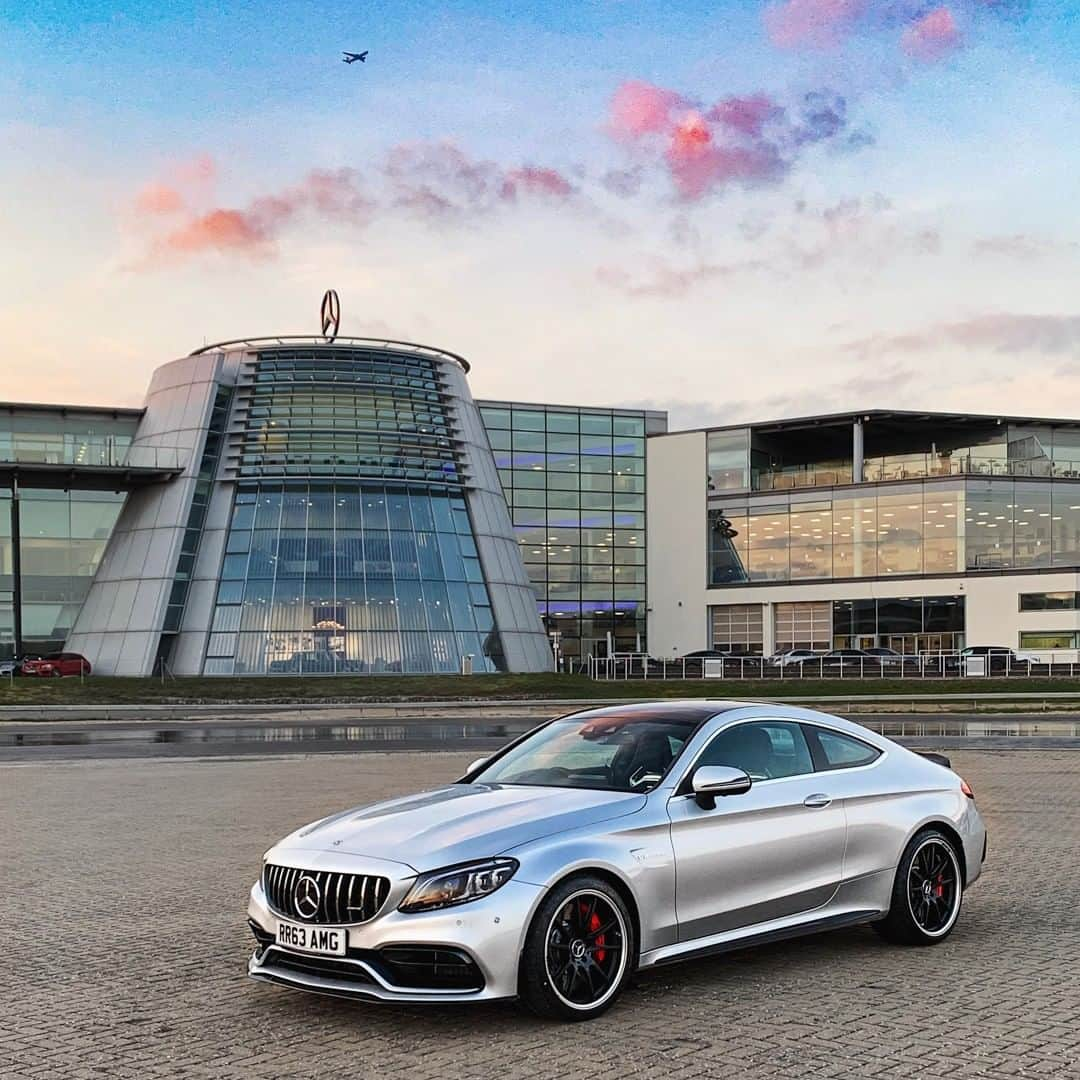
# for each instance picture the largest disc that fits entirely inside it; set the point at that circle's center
(816, 802)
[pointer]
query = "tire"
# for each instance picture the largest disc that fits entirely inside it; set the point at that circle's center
(579, 951)
(56, 673)
(927, 892)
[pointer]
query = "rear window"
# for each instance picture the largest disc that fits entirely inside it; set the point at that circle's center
(842, 751)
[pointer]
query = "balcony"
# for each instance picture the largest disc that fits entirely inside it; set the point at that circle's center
(106, 464)
(912, 467)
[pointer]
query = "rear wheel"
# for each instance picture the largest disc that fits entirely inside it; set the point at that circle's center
(578, 952)
(927, 892)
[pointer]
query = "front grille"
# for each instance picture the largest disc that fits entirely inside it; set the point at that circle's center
(335, 897)
(325, 966)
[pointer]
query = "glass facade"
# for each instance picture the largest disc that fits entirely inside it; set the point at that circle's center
(819, 454)
(326, 571)
(574, 479)
(902, 529)
(63, 536)
(350, 578)
(347, 412)
(65, 436)
(62, 533)
(907, 624)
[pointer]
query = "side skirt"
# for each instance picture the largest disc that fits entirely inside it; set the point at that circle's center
(765, 937)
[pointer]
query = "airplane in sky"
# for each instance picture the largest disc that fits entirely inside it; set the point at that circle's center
(352, 57)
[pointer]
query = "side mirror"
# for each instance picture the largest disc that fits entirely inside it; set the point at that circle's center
(716, 781)
(475, 765)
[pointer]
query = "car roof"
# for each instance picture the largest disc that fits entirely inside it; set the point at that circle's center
(688, 710)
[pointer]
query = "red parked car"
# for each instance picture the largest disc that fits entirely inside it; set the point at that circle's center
(57, 664)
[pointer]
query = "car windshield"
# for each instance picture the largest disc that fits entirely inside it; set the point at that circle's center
(629, 752)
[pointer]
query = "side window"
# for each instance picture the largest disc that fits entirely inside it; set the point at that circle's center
(763, 749)
(842, 751)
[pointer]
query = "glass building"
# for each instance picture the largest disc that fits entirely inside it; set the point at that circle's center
(574, 479)
(57, 464)
(874, 529)
(340, 513)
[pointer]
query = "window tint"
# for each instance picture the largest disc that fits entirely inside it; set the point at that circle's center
(842, 751)
(764, 750)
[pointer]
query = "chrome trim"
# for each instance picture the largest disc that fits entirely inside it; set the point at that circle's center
(257, 966)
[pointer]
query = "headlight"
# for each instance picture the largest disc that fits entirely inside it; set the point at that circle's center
(458, 884)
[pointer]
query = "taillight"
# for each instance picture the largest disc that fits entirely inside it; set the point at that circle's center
(965, 787)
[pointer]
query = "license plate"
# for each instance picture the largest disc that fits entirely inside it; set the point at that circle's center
(324, 940)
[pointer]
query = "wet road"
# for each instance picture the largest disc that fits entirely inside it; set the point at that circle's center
(84, 740)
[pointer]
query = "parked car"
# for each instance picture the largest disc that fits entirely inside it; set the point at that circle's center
(12, 666)
(57, 664)
(794, 656)
(613, 840)
(1000, 659)
(891, 660)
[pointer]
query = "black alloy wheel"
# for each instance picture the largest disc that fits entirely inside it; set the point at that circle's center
(578, 952)
(927, 892)
(933, 886)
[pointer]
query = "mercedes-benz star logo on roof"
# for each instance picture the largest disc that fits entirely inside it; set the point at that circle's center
(330, 314)
(306, 896)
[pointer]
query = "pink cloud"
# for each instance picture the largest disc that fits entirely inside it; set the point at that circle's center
(219, 230)
(334, 195)
(932, 36)
(814, 24)
(748, 139)
(537, 181)
(639, 108)
(157, 198)
(745, 114)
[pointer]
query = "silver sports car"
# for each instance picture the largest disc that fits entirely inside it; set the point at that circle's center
(618, 839)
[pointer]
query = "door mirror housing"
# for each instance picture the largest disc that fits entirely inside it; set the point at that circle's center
(717, 781)
(478, 763)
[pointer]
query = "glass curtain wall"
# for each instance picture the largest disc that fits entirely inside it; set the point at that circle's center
(350, 578)
(899, 529)
(63, 538)
(575, 483)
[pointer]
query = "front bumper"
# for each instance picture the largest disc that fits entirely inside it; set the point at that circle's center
(487, 934)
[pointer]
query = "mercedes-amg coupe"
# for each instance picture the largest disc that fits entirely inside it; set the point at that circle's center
(615, 840)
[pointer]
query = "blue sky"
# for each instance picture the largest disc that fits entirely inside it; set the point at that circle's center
(918, 246)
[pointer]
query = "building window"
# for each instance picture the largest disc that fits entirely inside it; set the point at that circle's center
(907, 624)
(1048, 601)
(737, 628)
(906, 530)
(728, 460)
(575, 482)
(341, 577)
(1048, 639)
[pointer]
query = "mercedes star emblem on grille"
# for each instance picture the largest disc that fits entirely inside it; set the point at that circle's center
(306, 896)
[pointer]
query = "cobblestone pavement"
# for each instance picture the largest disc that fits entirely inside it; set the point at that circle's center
(122, 894)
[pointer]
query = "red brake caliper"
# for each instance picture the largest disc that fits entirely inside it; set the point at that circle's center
(939, 890)
(594, 925)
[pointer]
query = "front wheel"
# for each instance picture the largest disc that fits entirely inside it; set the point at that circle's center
(927, 892)
(579, 951)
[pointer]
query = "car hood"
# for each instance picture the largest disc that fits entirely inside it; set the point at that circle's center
(460, 822)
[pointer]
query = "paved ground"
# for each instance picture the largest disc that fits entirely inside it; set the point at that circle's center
(122, 894)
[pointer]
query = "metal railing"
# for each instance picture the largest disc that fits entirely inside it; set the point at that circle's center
(911, 467)
(105, 453)
(927, 665)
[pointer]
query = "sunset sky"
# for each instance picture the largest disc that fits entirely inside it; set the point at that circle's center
(731, 210)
